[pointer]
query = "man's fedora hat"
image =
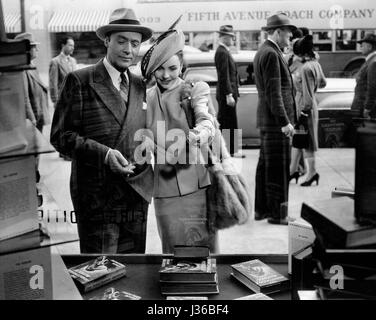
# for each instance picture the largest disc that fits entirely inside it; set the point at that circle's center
(124, 19)
(279, 20)
(369, 37)
(227, 30)
(27, 36)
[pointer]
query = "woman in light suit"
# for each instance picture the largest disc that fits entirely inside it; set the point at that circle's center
(180, 178)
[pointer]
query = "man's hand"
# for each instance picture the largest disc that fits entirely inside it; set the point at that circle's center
(367, 114)
(288, 130)
(230, 100)
(118, 164)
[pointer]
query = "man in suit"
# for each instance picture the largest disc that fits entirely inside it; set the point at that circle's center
(227, 88)
(36, 98)
(364, 103)
(276, 115)
(99, 111)
(36, 95)
(60, 66)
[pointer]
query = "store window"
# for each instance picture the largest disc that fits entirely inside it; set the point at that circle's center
(346, 40)
(250, 40)
(323, 40)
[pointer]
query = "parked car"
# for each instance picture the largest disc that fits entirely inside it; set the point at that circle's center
(336, 97)
(353, 66)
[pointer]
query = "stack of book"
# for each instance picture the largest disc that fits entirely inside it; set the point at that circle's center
(341, 263)
(96, 273)
(259, 277)
(190, 272)
(14, 54)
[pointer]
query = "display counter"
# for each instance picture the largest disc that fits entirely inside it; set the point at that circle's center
(143, 278)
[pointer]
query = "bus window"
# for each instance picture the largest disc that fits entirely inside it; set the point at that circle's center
(322, 40)
(345, 40)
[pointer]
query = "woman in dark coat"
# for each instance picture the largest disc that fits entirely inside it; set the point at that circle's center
(308, 79)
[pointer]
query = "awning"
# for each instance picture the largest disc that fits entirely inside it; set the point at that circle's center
(12, 22)
(73, 21)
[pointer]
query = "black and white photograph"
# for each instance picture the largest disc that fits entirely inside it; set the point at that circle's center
(242, 131)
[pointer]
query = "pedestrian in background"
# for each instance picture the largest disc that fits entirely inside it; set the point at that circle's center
(276, 116)
(364, 103)
(309, 77)
(60, 66)
(227, 88)
(36, 93)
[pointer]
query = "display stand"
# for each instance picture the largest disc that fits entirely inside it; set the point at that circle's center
(26, 262)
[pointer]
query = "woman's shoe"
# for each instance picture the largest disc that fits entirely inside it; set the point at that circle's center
(296, 176)
(309, 182)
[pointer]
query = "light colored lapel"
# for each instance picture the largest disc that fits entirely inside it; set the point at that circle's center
(103, 86)
(63, 64)
(35, 75)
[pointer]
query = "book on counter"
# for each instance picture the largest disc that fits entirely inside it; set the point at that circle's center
(178, 288)
(96, 273)
(191, 271)
(114, 294)
(335, 224)
(186, 298)
(357, 284)
(176, 270)
(259, 277)
(329, 294)
(256, 296)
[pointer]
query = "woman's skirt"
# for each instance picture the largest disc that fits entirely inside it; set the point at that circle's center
(183, 221)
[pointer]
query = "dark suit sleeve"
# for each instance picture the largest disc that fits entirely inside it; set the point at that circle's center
(53, 81)
(370, 103)
(223, 71)
(66, 130)
(273, 88)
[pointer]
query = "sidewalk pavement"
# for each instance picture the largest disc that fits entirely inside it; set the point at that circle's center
(335, 166)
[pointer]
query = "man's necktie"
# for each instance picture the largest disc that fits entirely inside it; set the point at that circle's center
(124, 88)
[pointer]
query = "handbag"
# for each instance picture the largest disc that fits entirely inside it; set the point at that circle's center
(300, 139)
(228, 197)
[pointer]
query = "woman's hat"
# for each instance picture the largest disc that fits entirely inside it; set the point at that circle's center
(27, 36)
(304, 46)
(369, 37)
(168, 44)
(124, 19)
(227, 30)
(279, 20)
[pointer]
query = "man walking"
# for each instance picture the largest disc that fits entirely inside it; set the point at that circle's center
(276, 115)
(97, 116)
(227, 88)
(36, 96)
(364, 103)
